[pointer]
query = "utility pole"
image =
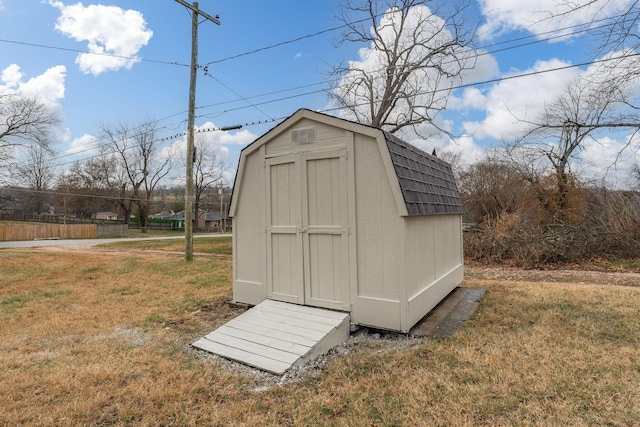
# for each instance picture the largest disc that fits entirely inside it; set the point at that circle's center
(221, 195)
(188, 198)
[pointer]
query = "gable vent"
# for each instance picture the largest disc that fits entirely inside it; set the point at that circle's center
(303, 136)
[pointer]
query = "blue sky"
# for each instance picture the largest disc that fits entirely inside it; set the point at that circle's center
(90, 91)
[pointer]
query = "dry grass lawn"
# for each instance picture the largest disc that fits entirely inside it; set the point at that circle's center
(102, 338)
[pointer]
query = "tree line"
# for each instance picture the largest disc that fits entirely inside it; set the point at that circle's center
(132, 174)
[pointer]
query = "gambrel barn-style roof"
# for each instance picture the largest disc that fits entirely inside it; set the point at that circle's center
(427, 183)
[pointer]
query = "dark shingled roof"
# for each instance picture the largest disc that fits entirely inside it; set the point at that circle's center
(427, 183)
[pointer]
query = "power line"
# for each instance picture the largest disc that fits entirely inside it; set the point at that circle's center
(207, 73)
(110, 55)
(261, 49)
(290, 41)
(496, 80)
(500, 79)
(490, 81)
(61, 193)
(307, 36)
(587, 27)
(95, 142)
(461, 86)
(69, 194)
(300, 38)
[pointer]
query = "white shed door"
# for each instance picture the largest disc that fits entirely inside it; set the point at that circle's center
(308, 237)
(284, 238)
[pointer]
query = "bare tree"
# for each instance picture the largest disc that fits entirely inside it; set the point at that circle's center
(615, 30)
(138, 155)
(490, 188)
(207, 173)
(615, 24)
(23, 121)
(413, 60)
(95, 184)
(36, 171)
(585, 108)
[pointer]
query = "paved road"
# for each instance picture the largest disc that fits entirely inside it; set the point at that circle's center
(90, 242)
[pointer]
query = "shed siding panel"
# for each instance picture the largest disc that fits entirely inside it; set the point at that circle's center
(434, 262)
(421, 248)
(378, 224)
(433, 250)
(447, 254)
(249, 244)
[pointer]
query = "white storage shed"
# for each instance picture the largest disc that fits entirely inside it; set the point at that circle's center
(334, 214)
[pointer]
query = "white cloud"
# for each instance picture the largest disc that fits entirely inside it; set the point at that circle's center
(220, 144)
(11, 77)
(511, 101)
(114, 35)
(471, 98)
(485, 67)
(541, 16)
(297, 56)
(466, 147)
(86, 145)
(610, 160)
(48, 87)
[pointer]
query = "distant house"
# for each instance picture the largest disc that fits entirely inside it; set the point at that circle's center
(201, 224)
(110, 216)
(216, 222)
(164, 215)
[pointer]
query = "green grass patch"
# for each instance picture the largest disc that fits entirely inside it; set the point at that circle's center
(125, 265)
(136, 233)
(213, 245)
(612, 264)
(207, 245)
(188, 303)
(55, 294)
(14, 302)
(154, 320)
(590, 321)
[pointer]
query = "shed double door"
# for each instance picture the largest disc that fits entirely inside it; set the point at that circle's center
(308, 229)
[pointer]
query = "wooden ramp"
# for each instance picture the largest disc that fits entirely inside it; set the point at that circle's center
(274, 336)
